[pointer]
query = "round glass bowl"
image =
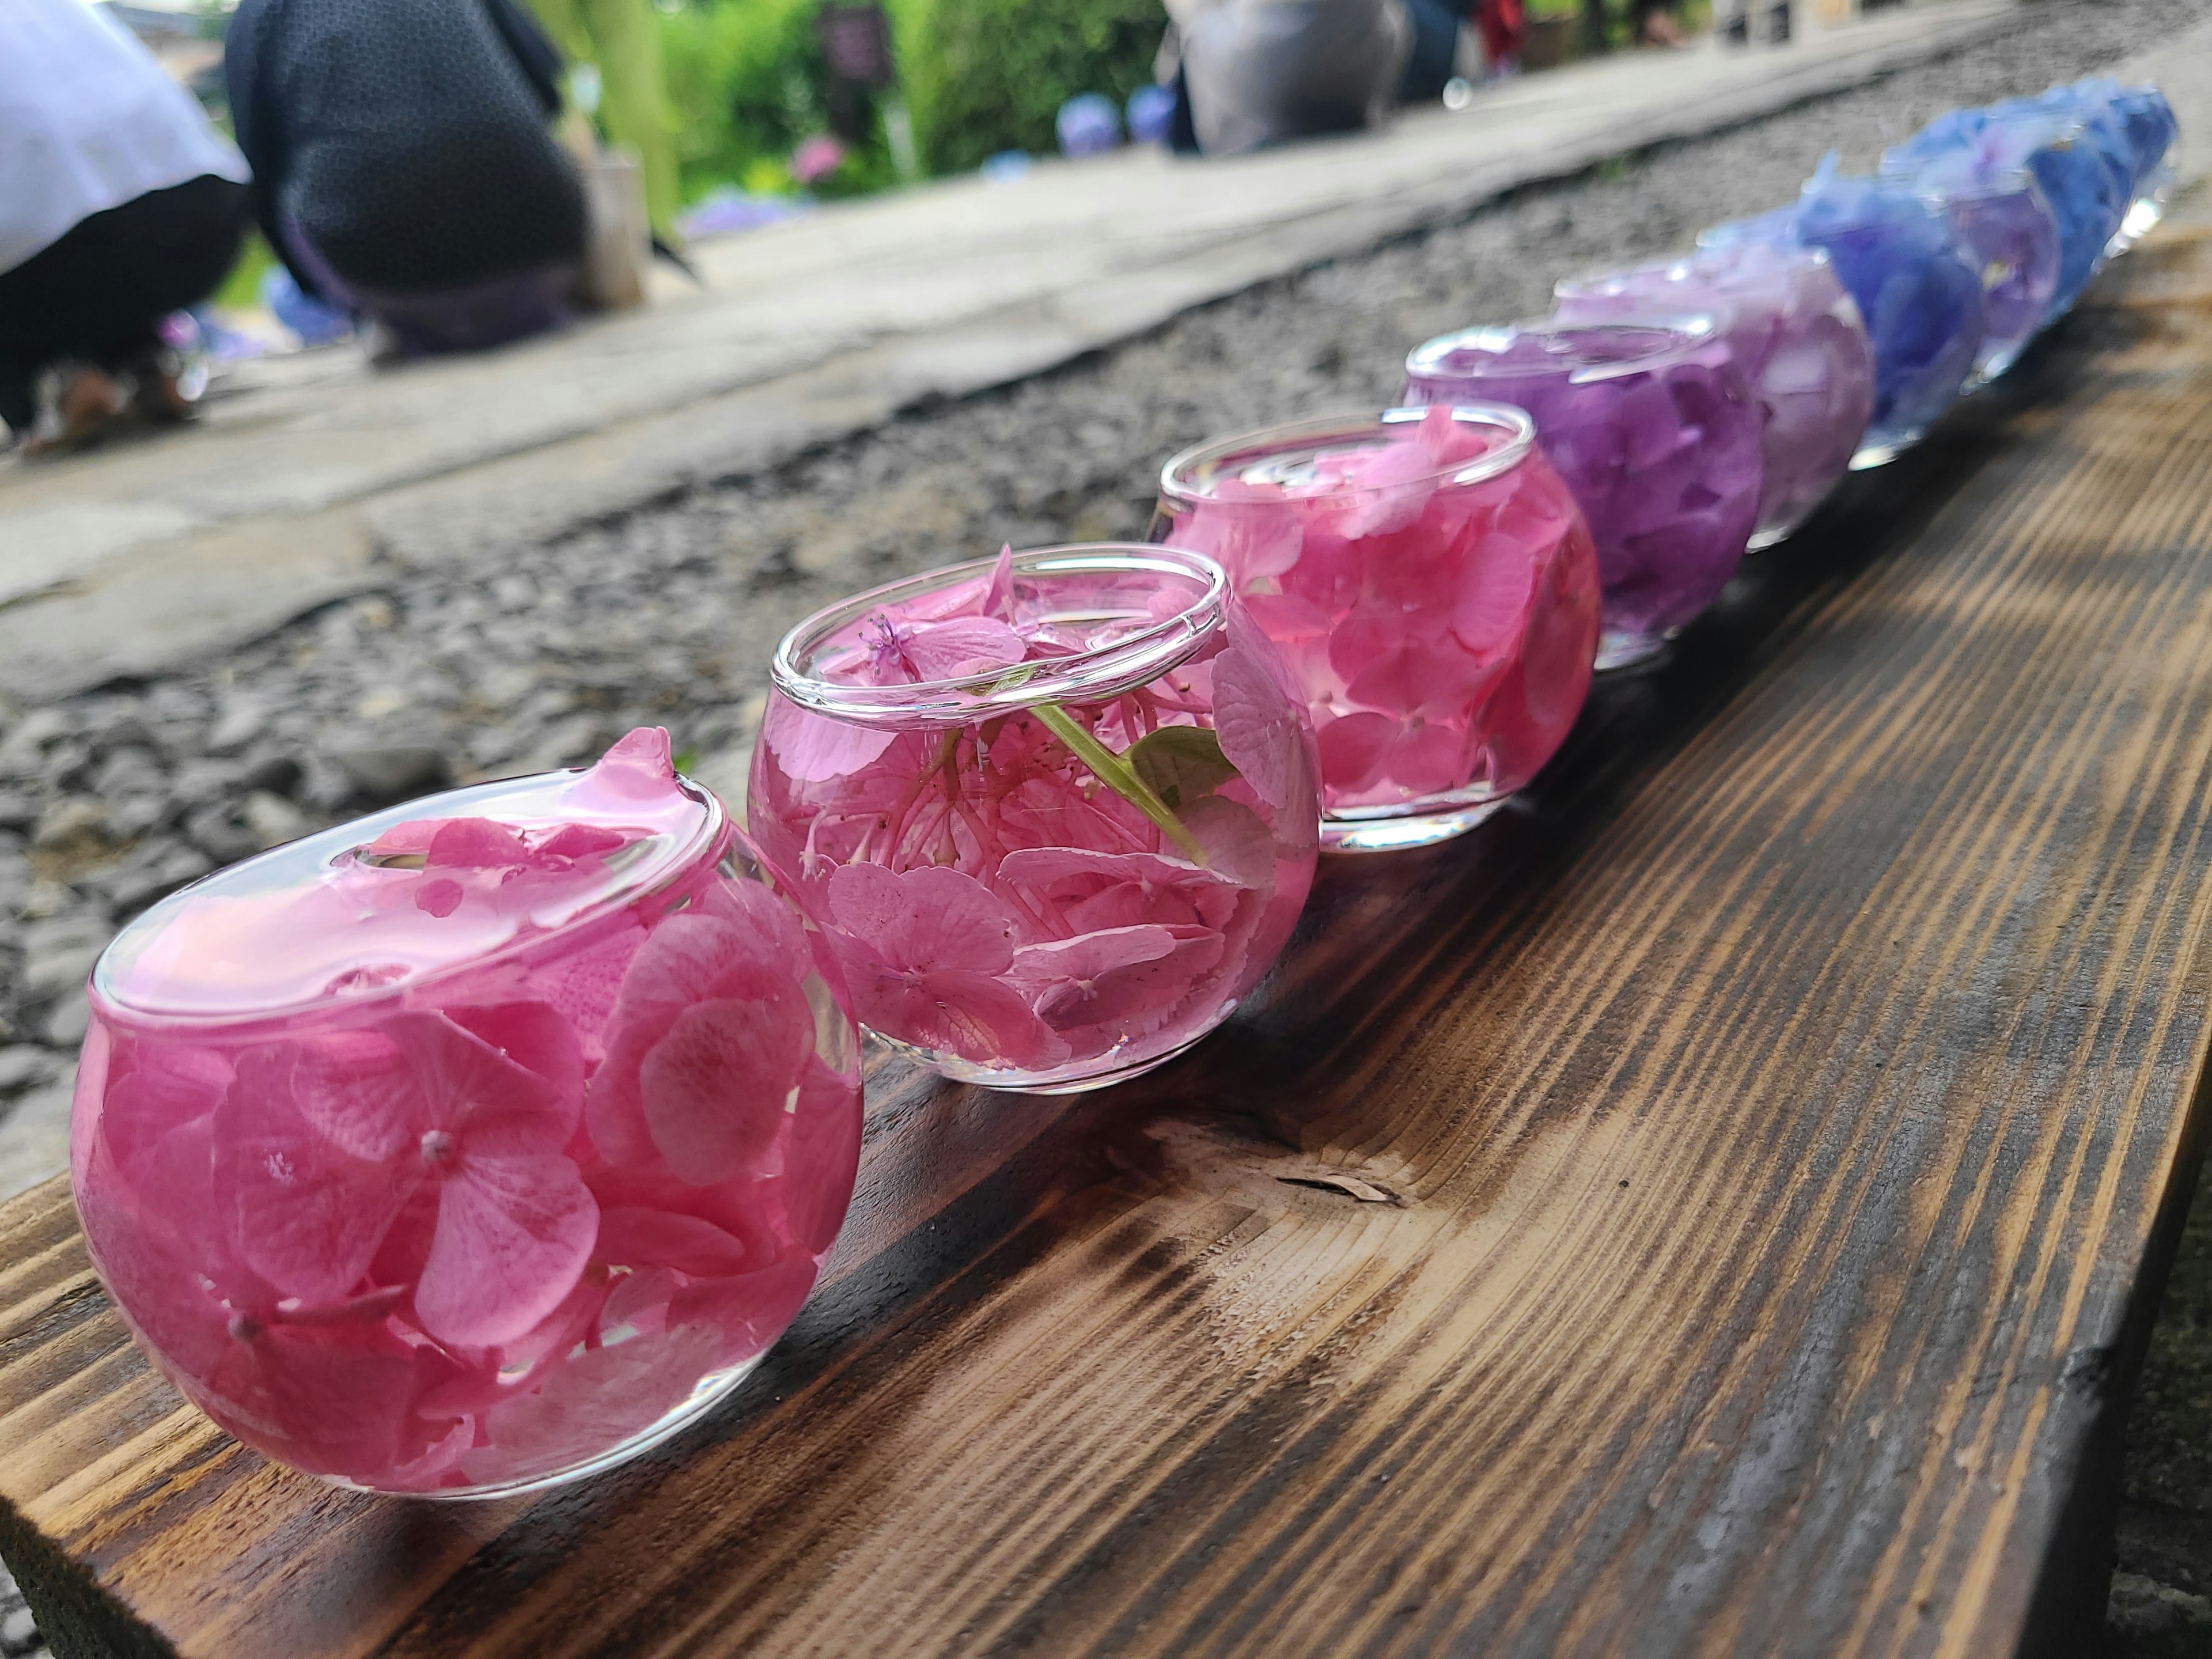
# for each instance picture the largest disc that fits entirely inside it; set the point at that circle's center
(1916, 289)
(2088, 195)
(1795, 336)
(1433, 588)
(1056, 814)
(1656, 434)
(476, 1146)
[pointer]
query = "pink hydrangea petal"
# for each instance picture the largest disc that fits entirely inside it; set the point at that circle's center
(327, 1400)
(592, 1403)
(777, 939)
(959, 647)
(970, 1015)
(581, 841)
(1258, 731)
(583, 985)
(715, 1088)
(483, 1376)
(1492, 606)
(640, 766)
(749, 1311)
(925, 919)
(684, 959)
(813, 748)
(534, 1036)
(822, 1158)
(513, 1235)
(473, 1090)
(635, 1237)
(1353, 747)
(614, 1113)
(357, 1091)
(1240, 849)
(306, 1215)
(404, 840)
(168, 1085)
(440, 898)
(475, 844)
(1428, 758)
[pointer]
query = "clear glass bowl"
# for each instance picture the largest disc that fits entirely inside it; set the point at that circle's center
(1655, 430)
(1431, 585)
(1795, 335)
(1057, 813)
(476, 1146)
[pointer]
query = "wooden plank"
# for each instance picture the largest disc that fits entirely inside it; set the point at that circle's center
(1776, 1128)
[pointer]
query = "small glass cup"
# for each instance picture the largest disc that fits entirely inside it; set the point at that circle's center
(1056, 814)
(1797, 336)
(2006, 227)
(1655, 432)
(1917, 289)
(474, 1147)
(1433, 588)
(2088, 196)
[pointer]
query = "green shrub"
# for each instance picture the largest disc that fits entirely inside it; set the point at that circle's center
(984, 76)
(744, 79)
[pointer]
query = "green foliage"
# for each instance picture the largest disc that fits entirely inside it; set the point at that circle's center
(743, 78)
(983, 76)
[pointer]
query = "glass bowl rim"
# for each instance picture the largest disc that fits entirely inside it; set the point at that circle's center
(715, 824)
(1492, 463)
(1089, 676)
(1687, 333)
(1587, 284)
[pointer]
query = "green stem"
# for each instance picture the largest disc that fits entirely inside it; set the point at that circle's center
(1116, 775)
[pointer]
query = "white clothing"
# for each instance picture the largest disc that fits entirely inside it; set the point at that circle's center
(87, 122)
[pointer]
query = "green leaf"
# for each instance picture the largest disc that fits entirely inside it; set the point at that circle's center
(1180, 763)
(1112, 770)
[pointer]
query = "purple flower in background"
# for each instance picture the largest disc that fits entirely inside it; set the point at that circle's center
(1088, 125)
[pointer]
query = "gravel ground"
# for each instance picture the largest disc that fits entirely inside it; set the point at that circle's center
(524, 658)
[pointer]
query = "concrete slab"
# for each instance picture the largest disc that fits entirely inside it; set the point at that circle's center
(317, 473)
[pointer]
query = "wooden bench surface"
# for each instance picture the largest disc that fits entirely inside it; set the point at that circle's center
(1717, 1208)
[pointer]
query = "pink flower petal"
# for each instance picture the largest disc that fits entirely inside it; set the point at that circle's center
(167, 1086)
(955, 649)
(1493, 608)
(307, 1215)
(640, 766)
(716, 1088)
(327, 1400)
(493, 1105)
(822, 1157)
(970, 1015)
(534, 1036)
(592, 1403)
(1258, 729)
(582, 987)
(811, 748)
(925, 919)
(614, 1113)
(514, 1233)
(356, 1089)
(660, 1238)
(476, 844)
(1353, 747)
(749, 1311)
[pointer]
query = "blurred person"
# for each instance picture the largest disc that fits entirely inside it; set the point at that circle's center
(1497, 27)
(1250, 72)
(404, 167)
(1654, 23)
(622, 40)
(120, 204)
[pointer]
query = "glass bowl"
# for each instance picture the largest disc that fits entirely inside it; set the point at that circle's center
(1433, 588)
(476, 1146)
(1656, 433)
(1056, 813)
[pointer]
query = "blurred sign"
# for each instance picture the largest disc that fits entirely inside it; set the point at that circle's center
(856, 44)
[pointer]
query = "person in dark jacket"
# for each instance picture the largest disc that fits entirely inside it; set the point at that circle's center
(403, 163)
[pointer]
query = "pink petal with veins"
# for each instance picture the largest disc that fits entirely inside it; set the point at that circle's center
(715, 1088)
(514, 1233)
(925, 919)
